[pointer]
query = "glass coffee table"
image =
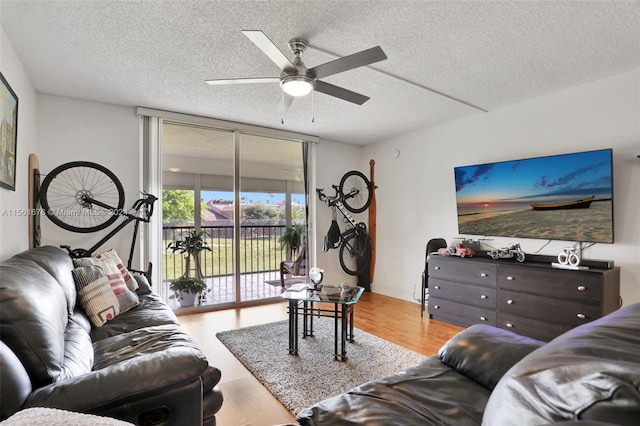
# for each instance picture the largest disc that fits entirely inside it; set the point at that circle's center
(302, 303)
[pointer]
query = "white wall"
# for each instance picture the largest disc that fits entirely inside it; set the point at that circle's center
(416, 194)
(76, 130)
(333, 160)
(14, 228)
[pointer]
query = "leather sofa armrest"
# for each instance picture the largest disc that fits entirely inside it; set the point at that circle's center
(14, 382)
(484, 353)
(124, 382)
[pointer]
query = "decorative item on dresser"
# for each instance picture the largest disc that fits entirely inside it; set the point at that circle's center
(532, 299)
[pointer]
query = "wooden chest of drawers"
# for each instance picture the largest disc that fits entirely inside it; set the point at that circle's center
(532, 299)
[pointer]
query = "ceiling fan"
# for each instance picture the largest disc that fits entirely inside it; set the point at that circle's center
(298, 80)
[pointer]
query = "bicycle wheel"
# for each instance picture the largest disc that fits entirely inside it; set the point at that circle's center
(355, 253)
(563, 258)
(356, 190)
(66, 192)
(574, 259)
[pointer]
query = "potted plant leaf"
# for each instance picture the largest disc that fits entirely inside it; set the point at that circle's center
(186, 288)
(291, 239)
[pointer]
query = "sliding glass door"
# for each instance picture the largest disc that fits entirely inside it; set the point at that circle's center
(271, 188)
(241, 191)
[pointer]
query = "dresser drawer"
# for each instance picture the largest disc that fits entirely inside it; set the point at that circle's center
(460, 314)
(547, 309)
(484, 297)
(463, 270)
(581, 286)
(529, 327)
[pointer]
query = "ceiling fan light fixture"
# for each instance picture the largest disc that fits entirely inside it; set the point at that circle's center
(297, 85)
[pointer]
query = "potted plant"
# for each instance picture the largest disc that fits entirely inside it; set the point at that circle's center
(291, 239)
(186, 288)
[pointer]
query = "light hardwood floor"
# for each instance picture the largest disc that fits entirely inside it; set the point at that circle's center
(247, 402)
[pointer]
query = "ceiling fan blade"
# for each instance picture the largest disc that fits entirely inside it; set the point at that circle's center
(360, 59)
(261, 40)
(339, 92)
(243, 80)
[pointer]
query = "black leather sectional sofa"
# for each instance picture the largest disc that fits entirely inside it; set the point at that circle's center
(139, 366)
(493, 377)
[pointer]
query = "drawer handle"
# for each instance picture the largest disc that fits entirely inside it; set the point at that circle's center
(581, 316)
(510, 302)
(483, 318)
(484, 274)
(437, 287)
(510, 278)
(509, 325)
(437, 307)
(484, 296)
(581, 288)
(437, 268)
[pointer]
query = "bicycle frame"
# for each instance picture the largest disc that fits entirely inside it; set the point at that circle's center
(336, 201)
(145, 204)
(354, 239)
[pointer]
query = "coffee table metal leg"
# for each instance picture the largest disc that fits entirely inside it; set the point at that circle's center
(343, 335)
(350, 336)
(307, 319)
(336, 354)
(293, 327)
(342, 316)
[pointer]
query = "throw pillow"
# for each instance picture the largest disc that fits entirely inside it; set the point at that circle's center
(102, 295)
(112, 255)
(144, 287)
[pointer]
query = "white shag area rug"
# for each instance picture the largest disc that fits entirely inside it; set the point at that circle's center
(39, 416)
(313, 375)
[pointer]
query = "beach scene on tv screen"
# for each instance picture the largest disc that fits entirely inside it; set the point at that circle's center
(563, 197)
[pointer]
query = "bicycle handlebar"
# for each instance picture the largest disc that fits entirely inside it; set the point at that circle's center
(330, 200)
(147, 202)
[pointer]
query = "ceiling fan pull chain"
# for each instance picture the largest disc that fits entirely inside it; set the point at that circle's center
(282, 106)
(313, 114)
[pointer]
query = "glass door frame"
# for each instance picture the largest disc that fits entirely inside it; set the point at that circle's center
(151, 179)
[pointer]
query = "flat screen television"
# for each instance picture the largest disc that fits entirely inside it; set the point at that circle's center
(565, 197)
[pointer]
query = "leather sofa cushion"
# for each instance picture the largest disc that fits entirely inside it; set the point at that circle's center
(484, 353)
(137, 343)
(59, 265)
(430, 393)
(78, 351)
(34, 318)
(152, 311)
(588, 373)
(122, 386)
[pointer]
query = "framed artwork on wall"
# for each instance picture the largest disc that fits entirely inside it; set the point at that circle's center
(8, 134)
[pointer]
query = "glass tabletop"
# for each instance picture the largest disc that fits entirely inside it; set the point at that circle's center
(325, 293)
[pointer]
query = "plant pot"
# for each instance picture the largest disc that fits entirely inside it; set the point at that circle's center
(187, 300)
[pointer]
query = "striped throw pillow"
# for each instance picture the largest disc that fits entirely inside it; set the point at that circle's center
(103, 294)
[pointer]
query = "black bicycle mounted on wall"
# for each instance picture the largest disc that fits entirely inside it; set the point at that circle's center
(353, 194)
(86, 197)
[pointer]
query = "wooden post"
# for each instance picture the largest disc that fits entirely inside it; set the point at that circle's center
(372, 220)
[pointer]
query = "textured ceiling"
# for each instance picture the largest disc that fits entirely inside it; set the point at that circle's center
(157, 54)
